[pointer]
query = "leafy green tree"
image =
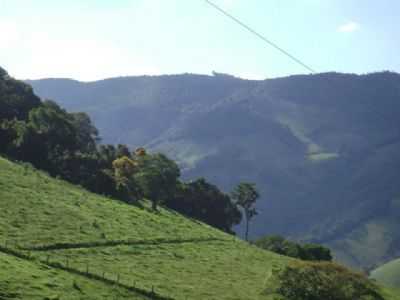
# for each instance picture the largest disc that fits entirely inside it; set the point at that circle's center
(300, 280)
(317, 252)
(7, 136)
(16, 98)
(204, 201)
(87, 135)
(246, 195)
(280, 245)
(157, 177)
(3, 73)
(124, 171)
(107, 154)
(28, 145)
(54, 123)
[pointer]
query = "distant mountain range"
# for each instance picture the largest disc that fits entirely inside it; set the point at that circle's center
(323, 149)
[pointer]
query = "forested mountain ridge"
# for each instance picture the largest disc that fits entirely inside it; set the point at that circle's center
(324, 149)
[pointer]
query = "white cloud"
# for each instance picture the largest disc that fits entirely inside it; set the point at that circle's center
(9, 33)
(349, 27)
(42, 55)
(31, 49)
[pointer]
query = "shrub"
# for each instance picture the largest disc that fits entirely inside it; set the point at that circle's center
(280, 245)
(322, 280)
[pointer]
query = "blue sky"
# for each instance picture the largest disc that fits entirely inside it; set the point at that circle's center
(94, 39)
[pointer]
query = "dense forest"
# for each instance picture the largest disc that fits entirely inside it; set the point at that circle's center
(68, 145)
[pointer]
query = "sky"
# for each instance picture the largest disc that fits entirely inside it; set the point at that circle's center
(94, 39)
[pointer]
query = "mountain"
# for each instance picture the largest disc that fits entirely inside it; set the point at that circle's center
(61, 242)
(323, 149)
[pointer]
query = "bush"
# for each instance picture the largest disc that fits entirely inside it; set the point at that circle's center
(322, 280)
(285, 247)
(316, 252)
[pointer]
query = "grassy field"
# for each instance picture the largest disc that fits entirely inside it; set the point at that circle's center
(388, 274)
(213, 270)
(37, 210)
(21, 279)
(77, 245)
(176, 256)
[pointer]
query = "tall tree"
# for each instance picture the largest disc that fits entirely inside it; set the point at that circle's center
(246, 195)
(16, 98)
(124, 171)
(204, 201)
(87, 135)
(157, 177)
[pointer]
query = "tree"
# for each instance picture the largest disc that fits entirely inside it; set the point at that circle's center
(204, 201)
(317, 252)
(87, 135)
(123, 151)
(157, 177)
(16, 98)
(280, 245)
(246, 195)
(124, 171)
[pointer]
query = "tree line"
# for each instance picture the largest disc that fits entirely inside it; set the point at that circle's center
(306, 251)
(68, 145)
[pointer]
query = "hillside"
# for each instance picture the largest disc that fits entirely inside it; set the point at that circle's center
(57, 222)
(332, 140)
(62, 242)
(21, 279)
(388, 274)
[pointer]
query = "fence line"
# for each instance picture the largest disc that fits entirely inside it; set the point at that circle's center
(93, 276)
(113, 243)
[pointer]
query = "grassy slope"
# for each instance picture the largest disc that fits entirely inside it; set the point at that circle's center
(388, 274)
(21, 279)
(36, 210)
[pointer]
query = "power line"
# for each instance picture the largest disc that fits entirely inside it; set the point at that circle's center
(269, 42)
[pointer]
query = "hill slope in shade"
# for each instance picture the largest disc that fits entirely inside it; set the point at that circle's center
(388, 274)
(323, 149)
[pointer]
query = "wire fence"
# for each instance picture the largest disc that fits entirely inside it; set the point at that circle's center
(115, 280)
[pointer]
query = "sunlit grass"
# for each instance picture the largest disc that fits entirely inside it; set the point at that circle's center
(175, 256)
